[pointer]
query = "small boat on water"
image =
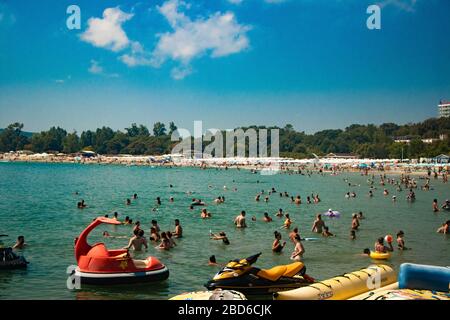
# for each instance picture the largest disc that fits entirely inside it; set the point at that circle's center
(98, 265)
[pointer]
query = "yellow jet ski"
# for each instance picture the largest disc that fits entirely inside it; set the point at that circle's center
(241, 276)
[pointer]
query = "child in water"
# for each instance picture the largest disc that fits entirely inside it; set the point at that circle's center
(400, 240)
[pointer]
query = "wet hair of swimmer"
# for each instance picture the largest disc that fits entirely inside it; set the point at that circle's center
(21, 238)
(212, 259)
(366, 251)
(222, 234)
(380, 240)
(243, 213)
(400, 233)
(266, 214)
(154, 222)
(177, 221)
(140, 233)
(295, 230)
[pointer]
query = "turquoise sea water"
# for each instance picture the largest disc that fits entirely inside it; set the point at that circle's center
(39, 202)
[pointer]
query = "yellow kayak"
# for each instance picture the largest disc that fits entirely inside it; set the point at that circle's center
(217, 294)
(343, 287)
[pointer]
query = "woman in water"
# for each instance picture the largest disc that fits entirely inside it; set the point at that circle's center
(212, 261)
(165, 243)
(435, 205)
(277, 246)
(299, 250)
(287, 222)
(355, 222)
(221, 236)
(381, 248)
(169, 237)
(154, 235)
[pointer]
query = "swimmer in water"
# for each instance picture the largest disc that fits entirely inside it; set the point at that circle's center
(205, 214)
(240, 220)
(299, 250)
(20, 244)
(212, 261)
(280, 213)
(327, 233)
(435, 206)
(277, 246)
(128, 202)
(381, 248)
(355, 222)
(155, 225)
(352, 235)
(293, 233)
(137, 241)
(154, 235)
(165, 243)
(400, 240)
(221, 236)
(169, 237)
(178, 232)
(267, 218)
(287, 222)
(318, 224)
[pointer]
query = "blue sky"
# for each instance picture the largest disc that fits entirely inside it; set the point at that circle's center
(311, 63)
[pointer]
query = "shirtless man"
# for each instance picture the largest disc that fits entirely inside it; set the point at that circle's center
(240, 220)
(267, 218)
(293, 234)
(318, 224)
(178, 232)
(137, 241)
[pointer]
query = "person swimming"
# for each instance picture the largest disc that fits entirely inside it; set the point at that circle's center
(401, 241)
(20, 244)
(327, 233)
(155, 225)
(205, 214)
(221, 236)
(212, 261)
(267, 218)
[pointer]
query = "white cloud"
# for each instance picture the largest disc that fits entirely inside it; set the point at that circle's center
(96, 68)
(405, 5)
(218, 35)
(107, 32)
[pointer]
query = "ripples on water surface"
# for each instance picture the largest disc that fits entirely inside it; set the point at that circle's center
(38, 201)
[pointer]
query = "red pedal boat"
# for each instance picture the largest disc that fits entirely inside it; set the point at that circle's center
(98, 265)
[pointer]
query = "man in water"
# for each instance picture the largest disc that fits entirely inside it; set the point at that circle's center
(178, 232)
(318, 224)
(20, 244)
(221, 236)
(267, 218)
(137, 241)
(240, 220)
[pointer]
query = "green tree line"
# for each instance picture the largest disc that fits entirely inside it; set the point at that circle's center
(364, 140)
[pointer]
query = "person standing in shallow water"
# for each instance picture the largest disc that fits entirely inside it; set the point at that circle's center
(435, 205)
(318, 224)
(240, 220)
(277, 246)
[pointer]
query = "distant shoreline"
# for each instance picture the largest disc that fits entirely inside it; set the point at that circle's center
(257, 164)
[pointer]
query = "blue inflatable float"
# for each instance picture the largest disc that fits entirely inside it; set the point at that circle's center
(424, 277)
